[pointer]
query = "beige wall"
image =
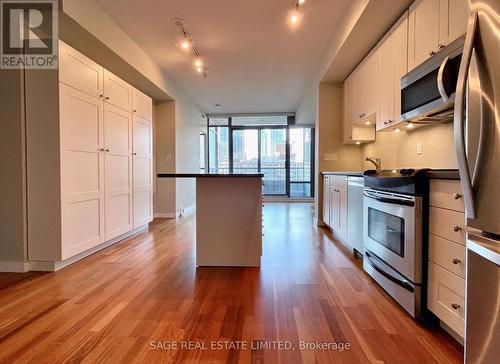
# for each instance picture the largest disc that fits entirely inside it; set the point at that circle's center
(12, 172)
(399, 150)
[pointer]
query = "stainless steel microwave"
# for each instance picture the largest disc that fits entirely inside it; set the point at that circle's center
(428, 91)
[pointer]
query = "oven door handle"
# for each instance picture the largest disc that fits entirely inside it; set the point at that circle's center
(394, 201)
(400, 282)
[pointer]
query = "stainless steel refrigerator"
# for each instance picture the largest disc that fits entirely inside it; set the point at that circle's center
(477, 140)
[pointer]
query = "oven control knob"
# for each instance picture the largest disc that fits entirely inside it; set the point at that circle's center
(410, 171)
(403, 172)
(370, 172)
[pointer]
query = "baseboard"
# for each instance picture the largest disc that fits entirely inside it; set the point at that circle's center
(287, 199)
(174, 215)
(47, 266)
(14, 267)
(452, 332)
(163, 215)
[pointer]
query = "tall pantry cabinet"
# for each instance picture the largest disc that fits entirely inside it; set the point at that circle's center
(105, 135)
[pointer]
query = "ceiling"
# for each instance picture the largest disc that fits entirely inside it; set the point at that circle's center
(257, 62)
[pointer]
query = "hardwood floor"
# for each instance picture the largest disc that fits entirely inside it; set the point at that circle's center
(118, 304)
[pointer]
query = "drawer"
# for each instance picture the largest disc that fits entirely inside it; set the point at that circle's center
(446, 194)
(445, 297)
(447, 254)
(447, 224)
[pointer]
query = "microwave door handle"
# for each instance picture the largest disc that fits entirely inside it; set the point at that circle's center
(440, 84)
(459, 117)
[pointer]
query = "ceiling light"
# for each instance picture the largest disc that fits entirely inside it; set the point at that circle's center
(294, 19)
(198, 63)
(185, 44)
(410, 126)
(397, 131)
(199, 69)
(367, 123)
(358, 143)
(301, 2)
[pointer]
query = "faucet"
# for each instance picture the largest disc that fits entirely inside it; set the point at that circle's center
(376, 161)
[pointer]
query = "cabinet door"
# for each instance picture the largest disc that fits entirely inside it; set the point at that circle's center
(117, 92)
(453, 24)
(370, 81)
(386, 83)
(423, 36)
(348, 104)
(80, 72)
(399, 45)
(334, 208)
(342, 193)
(82, 170)
(143, 171)
(118, 170)
(326, 200)
(142, 105)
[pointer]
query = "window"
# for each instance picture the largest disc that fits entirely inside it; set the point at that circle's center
(267, 145)
(203, 148)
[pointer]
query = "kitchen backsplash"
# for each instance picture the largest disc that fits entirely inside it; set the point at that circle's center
(399, 150)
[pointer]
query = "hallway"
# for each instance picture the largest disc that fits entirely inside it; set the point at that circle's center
(129, 301)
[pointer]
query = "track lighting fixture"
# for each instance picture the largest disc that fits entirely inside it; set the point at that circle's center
(295, 14)
(187, 44)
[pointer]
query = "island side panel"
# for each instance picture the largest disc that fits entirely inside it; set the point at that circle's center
(229, 221)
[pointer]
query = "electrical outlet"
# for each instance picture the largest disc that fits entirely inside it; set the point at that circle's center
(419, 148)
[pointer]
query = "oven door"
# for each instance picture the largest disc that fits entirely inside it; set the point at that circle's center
(392, 231)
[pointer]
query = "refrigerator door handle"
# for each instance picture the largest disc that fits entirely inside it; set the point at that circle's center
(459, 117)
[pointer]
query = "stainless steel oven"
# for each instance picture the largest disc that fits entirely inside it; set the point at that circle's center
(428, 91)
(392, 235)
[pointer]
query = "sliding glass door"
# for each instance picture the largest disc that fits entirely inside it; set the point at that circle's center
(273, 160)
(246, 151)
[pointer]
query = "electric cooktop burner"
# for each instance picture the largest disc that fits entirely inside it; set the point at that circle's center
(410, 181)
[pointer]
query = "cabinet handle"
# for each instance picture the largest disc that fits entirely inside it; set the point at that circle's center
(100, 149)
(431, 53)
(101, 96)
(456, 228)
(107, 98)
(134, 153)
(457, 196)
(134, 110)
(362, 115)
(456, 261)
(107, 150)
(455, 305)
(441, 46)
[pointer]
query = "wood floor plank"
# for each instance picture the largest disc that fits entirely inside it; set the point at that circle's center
(113, 306)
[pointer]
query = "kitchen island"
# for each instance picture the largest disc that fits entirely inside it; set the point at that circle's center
(228, 218)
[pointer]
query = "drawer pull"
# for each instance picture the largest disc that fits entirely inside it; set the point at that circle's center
(456, 261)
(457, 196)
(456, 228)
(455, 306)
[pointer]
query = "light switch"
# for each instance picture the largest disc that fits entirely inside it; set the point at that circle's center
(419, 148)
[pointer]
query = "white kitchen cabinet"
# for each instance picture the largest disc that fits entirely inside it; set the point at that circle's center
(360, 103)
(118, 170)
(392, 65)
(82, 170)
(80, 72)
(142, 105)
(98, 199)
(143, 171)
(326, 200)
(433, 24)
(117, 92)
(446, 264)
(335, 204)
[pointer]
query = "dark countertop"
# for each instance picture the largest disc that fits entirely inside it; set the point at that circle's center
(443, 174)
(344, 173)
(207, 175)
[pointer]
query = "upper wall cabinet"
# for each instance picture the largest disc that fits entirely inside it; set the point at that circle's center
(80, 72)
(392, 65)
(117, 92)
(433, 24)
(142, 105)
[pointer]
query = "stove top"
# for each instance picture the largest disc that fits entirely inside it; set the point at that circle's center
(412, 181)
